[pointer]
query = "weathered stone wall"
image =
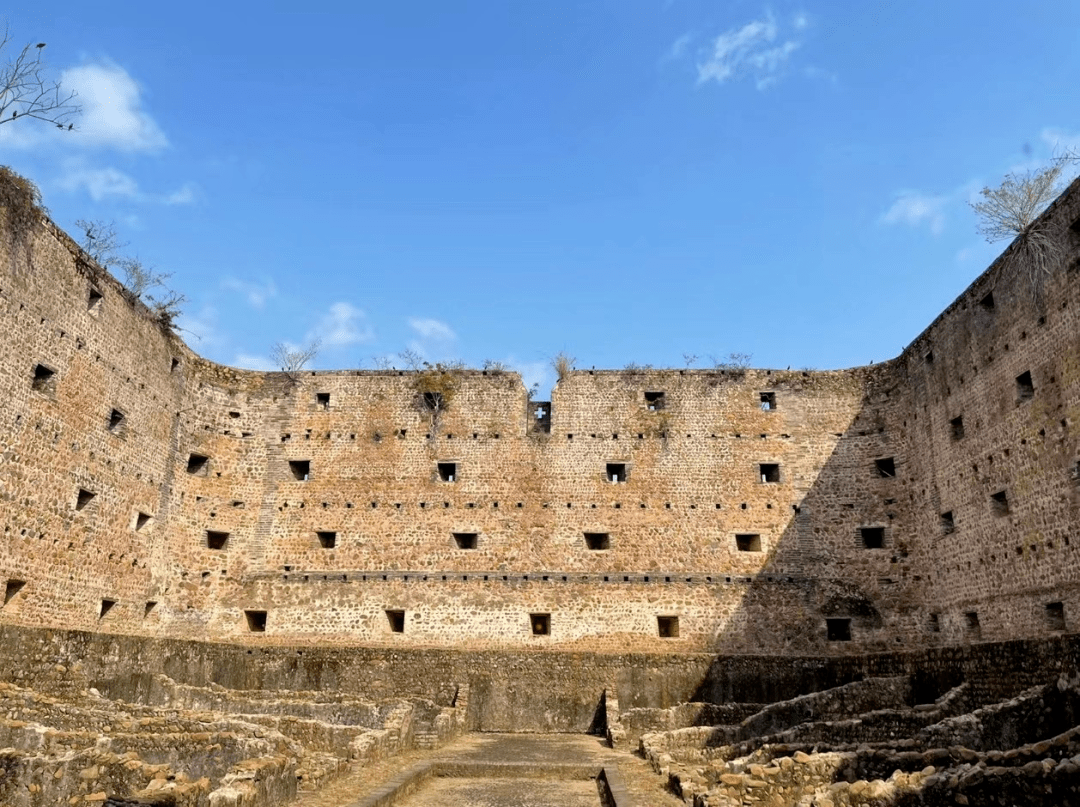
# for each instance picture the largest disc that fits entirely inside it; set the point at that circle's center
(766, 511)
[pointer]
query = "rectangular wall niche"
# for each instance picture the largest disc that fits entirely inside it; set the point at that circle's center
(748, 543)
(447, 471)
(256, 621)
(149, 608)
(12, 588)
(141, 521)
(541, 624)
(885, 467)
(465, 540)
(838, 629)
(596, 541)
(770, 472)
(667, 627)
(93, 301)
(106, 606)
(396, 619)
(948, 523)
(327, 539)
(44, 379)
(322, 400)
(300, 470)
(935, 623)
(654, 401)
(872, 537)
(768, 401)
(971, 624)
(987, 301)
(198, 464)
(116, 421)
(84, 498)
(216, 539)
(616, 472)
(1025, 387)
(1055, 616)
(956, 427)
(999, 503)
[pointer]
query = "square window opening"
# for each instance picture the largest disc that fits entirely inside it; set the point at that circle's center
(872, 537)
(768, 401)
(327, 539)
(216, 539)
(987, 301)
(198, 465)
(616, 472)
(654, 401)
(596, 541)
(149, 608)
(770, 472)
(541, 624)
(433, 401)
(466, 540)
(748, 543)
(116, 421)
(141, 521)
(1055, 616)
(885, 467)
(956, 426)
(106, 606)
(999, 503)
(929, 357)
(44, 379)
(84, 498)
(971, 623)
(300, 470)
(667, 627)
(256, 621)
(838, 629)
(1025, 387)
(93, 300)
(322, 400)
(396, 620)
(447, 471)
(948, 523)
(12, 588)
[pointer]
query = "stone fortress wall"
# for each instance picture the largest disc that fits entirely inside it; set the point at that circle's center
(144, 490)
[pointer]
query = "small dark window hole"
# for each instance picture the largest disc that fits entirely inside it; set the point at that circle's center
(748, 543)
(541, 624)
(216, 539)
(667, 627)
(465, 540)
(597, 540)
(256, 621)
(838, 630)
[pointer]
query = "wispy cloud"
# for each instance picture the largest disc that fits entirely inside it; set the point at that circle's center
(678, 48)
(755, 50)
(256, 294)
(107, 183)
(917, 209)
(343, 325)
(113, 114)
(434, 338)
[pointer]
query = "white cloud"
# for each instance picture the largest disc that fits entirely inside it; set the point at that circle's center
(434, 339)
(199, 327)
(250, 361)
(256, 294)
(755, 50)
(800, 21)
(113, 115)
(184, 195)
(678, 47)
(344, 324)
(916, 209)
(100, 183)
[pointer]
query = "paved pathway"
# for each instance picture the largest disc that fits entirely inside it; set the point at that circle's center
(554, 761)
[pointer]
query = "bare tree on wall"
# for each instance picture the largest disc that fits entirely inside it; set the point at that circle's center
(292, 359)
(26, 91)
(1012, 210)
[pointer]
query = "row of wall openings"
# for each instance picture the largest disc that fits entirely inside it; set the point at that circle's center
(1053, 614)
(667, 627)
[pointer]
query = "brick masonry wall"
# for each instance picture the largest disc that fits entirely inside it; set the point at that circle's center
(223, 491)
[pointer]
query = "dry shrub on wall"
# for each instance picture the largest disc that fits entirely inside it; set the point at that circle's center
(20, 201)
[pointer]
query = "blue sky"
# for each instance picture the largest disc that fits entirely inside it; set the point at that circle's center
(629, 182)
